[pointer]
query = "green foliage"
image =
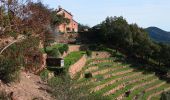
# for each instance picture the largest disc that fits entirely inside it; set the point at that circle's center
(53, 53)
(63, 48)
(4, 96)
(54, 81)
(44, 75)
(88, 75)
(165, 96)
(82, 27)
(89, 53)
(16, 56)
(9, 70)
(55, 50)
(130, 39)
(72, 58)
(63, 88)
(58, 19)
(13, 34)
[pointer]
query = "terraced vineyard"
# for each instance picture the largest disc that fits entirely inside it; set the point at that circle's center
(119, 81)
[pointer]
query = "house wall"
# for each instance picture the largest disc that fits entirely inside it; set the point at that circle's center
(75, 26)
(72, 26)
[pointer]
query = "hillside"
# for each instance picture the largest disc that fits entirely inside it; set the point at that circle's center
(120, 81)
(30, 87)
(158, 34)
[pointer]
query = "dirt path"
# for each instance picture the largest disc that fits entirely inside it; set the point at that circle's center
(29, 87)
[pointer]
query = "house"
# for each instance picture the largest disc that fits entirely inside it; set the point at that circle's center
(67, 28)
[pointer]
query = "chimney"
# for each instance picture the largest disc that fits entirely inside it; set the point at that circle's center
(59, 8)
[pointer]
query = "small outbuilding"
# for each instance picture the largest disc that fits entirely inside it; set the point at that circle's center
(55, 62)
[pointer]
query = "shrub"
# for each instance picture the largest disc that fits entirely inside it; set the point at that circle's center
(63, 48)
(88, 75)
(44, 75)
(63, 88)
(4, 96)
(16, 56)
(55, 50)
(53, 53)
(165, 96)
(9, 71)
(54, 81)
(89, 53)
(13, 34)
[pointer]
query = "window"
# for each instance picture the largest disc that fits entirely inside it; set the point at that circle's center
(68, 29)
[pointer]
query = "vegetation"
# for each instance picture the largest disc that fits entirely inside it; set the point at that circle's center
(89, 53)
(9, 71)
(120, 80)
(110, 78)
(44, 75)
(4, 96)
(16, 56)
(82, 28)
(72, 58)
(55, 50)
(133, 41)
(65, 88)
(63, 48)
(165, 96)
(158, 35)
(22, 18)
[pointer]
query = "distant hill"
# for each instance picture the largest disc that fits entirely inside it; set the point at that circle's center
(158, 34)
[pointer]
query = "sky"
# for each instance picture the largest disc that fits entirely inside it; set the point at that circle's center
(145, 13)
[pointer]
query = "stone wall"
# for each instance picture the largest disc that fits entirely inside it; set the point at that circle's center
(98, 54)
(77, 67)
(71, 48)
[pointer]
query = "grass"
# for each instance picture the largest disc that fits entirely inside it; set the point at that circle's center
(139, 77)
(130, 86)
(72, 58)
(145, 96)
(117, 84)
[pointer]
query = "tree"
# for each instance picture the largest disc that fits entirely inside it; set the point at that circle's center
(82, 28)
(165, 54)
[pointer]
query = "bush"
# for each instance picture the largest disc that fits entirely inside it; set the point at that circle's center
(88, 75)
(165, 96)
(63, 48)
(63, 88)
(9, 71)
(53, 53)
(89, 53)
(55, 50)
(4, 96)
(13, 34)
(54, 81)
(44, 75)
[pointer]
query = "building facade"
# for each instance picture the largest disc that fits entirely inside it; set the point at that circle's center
(67, 28)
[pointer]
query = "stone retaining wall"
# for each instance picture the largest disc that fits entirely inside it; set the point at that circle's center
(71, 48)
(99, 54)
(77, 67)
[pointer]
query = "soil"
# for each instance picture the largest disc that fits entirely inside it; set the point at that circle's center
(30, 87)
